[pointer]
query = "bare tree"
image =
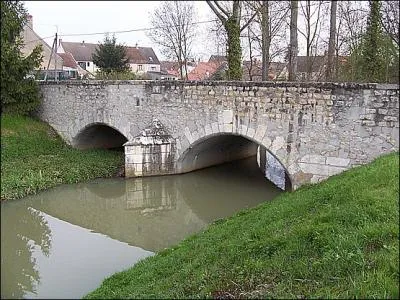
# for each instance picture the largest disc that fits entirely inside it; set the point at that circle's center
(217, 35)
(230, 19)
(332, 40)
(174, 31)
(312, 15)
(293, 40)
(352, 21)
(269, 25)
(352, 17)
(390, 19)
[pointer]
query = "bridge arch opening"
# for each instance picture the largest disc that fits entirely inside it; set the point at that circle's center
(225, 147)
(99, 135)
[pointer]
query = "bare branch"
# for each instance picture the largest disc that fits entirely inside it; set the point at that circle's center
(249, 21)
(221, 9)
(217, 13)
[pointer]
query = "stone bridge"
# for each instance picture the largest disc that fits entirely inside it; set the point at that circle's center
(301, 132)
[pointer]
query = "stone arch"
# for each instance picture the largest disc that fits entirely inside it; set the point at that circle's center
(276, 146)
(99, 135)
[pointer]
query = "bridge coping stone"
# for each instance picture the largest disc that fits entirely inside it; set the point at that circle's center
(248, 84)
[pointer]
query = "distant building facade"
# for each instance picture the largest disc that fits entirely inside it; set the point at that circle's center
(32, 39)
(141, 59)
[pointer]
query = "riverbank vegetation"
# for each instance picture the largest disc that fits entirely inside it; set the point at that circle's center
(335, 239)
(34, 158)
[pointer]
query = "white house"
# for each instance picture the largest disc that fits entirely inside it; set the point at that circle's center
(81, 52)
(141, 59)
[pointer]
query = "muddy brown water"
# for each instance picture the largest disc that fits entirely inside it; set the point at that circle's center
(62, 243)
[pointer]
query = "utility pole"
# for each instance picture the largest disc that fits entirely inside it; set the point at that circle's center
(55, 58)
(51, 54)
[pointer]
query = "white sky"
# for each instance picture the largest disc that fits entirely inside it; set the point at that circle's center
(71, 17)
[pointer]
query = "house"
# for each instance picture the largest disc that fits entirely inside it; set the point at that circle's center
(32, 39)
(220, 72)
(203, 71)
(71, 67)
(162, 75)
(81, 52)
(217, 59)
(141, 59)
(172, 68)
(317, 68)
(252, 71)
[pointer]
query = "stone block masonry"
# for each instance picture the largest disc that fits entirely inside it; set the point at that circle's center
(314, 130)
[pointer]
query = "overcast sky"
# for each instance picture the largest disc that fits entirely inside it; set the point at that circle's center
(79, 17)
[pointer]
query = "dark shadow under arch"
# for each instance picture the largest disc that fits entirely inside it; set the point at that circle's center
(99, 135)
(221, 148)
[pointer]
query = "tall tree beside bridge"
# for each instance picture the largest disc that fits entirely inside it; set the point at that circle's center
(19, 90)
(110, 56)
(292, 57)
(174, 30)
(332, 39)
(230, 19)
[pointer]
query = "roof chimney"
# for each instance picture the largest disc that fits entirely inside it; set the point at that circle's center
(29, 19)
(59, 42)
(83, 43)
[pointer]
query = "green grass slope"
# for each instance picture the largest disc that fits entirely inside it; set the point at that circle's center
(34, 158)
(336, 239)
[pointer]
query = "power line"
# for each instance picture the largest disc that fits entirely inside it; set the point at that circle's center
(40, 39)
(131, 30)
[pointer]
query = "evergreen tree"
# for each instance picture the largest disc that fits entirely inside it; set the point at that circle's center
(373, 64)
(19, 91)
(110, 56)
(376, 57)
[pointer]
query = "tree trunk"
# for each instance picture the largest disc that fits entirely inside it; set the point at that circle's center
(308, 50)
(232, 28)
(293, 40)
(250, 55)
(265, 39)
(332, 38)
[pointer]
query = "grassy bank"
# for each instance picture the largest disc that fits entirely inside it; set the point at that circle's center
(337, 239)
(34, 158)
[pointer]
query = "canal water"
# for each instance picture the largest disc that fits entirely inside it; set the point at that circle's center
(62, 243)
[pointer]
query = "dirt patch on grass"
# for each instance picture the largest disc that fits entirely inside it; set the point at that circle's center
(7, 132)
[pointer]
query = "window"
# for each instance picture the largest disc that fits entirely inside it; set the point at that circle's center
(153, 68)
(88, 63)
(82, 64)
(140, 67)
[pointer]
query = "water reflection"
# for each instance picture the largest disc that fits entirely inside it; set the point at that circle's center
(29, 230)
(148, 214)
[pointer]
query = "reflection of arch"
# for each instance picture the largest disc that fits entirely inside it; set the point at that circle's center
(217, 148)
(99, 135)
(106, 189)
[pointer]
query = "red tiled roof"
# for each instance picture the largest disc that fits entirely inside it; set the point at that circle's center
(203, 70)
(141, 55)
(68, 60)
(171, 67)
